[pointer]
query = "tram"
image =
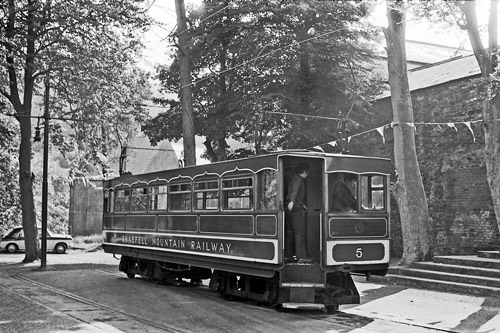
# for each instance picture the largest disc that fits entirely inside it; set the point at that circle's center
(227, 222)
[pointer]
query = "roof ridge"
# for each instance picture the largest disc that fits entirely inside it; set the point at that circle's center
(439, 63)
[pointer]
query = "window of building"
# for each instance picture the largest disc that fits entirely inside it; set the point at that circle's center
(266, 190)
(158, 197)
(180, 196)
(237, 193)
(139, 199)
(373, 192)
(206, 195)
(122, 201)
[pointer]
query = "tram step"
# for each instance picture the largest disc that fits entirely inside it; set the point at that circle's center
(302, 273)
(304, 306)
(302, 285)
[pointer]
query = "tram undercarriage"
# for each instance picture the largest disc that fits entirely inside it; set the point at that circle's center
(296, 286)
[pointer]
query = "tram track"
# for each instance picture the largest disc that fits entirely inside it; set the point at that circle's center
(88, 312)
(342, 319)
(86, 306)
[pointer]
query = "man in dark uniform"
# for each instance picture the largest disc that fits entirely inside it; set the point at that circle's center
(342, 198)
(296, 209)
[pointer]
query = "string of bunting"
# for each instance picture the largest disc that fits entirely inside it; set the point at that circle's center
(380, 130)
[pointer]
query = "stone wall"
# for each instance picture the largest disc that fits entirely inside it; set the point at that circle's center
(451, 162)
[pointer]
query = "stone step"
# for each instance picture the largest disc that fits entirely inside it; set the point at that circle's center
(457, 269)
(444, 286)
(489, 254)
(469, 274)
(471, 260)
(450, 277)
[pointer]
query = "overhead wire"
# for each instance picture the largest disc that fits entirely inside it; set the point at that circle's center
(294, 43)
(208, 17)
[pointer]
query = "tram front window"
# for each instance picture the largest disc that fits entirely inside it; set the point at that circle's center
(343, 192)
(373, 192)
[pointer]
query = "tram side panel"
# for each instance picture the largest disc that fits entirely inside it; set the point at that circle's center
(225, 242)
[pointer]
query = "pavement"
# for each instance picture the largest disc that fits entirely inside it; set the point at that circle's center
(413, 310)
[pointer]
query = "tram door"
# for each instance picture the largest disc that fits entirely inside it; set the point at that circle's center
(313, 201)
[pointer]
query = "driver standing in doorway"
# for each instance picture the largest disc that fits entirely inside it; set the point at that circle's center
(297, 208)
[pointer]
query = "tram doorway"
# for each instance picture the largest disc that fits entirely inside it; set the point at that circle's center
(313, 201)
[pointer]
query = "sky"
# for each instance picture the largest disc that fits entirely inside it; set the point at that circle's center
(164, 11)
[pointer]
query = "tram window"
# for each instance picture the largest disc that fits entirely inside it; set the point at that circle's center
(343, 192)
(107, 202)
(139, 199)
(237, 193)
(266, 190)
(122, 201)
(158, 197)
(372, 192)
(206, 195)
(180, 197)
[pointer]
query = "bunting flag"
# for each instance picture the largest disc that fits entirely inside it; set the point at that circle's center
(452, 125)
(467, 123)
(318, 148)
(414, 125)
(332, 143)
(380, 130)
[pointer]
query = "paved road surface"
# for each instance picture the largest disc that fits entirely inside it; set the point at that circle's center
(84, 292)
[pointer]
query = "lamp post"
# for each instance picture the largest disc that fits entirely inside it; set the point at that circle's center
(45, 170)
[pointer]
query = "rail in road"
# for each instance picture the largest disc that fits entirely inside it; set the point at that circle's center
(99, 317)
(103, 318)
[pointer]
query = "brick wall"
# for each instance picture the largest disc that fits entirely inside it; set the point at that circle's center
(451, 163)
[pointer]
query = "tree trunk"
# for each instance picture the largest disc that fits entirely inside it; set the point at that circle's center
(487, 61)
(26, 189)
(186, 94)
(408, 191)
(23, 111)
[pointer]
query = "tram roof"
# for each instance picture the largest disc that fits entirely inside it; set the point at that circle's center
(254, 164)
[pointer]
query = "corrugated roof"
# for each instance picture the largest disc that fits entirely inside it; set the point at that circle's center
(441, 72)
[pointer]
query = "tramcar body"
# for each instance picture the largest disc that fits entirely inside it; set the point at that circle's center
(226, 221)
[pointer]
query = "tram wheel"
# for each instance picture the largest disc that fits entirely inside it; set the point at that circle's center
(280, 308)
(157, 281)
(331, 309)
(196, 282)
(228, 297)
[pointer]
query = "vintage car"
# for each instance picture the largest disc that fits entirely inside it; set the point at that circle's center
(13, 240)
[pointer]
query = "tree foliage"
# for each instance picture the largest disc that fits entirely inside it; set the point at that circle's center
(10, 209)
(250, 59)
(87, 48)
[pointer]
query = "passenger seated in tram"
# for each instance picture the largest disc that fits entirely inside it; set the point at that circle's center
(342, 198)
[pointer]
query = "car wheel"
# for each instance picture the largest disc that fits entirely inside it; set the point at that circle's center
(11, 248)
(60, 248)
